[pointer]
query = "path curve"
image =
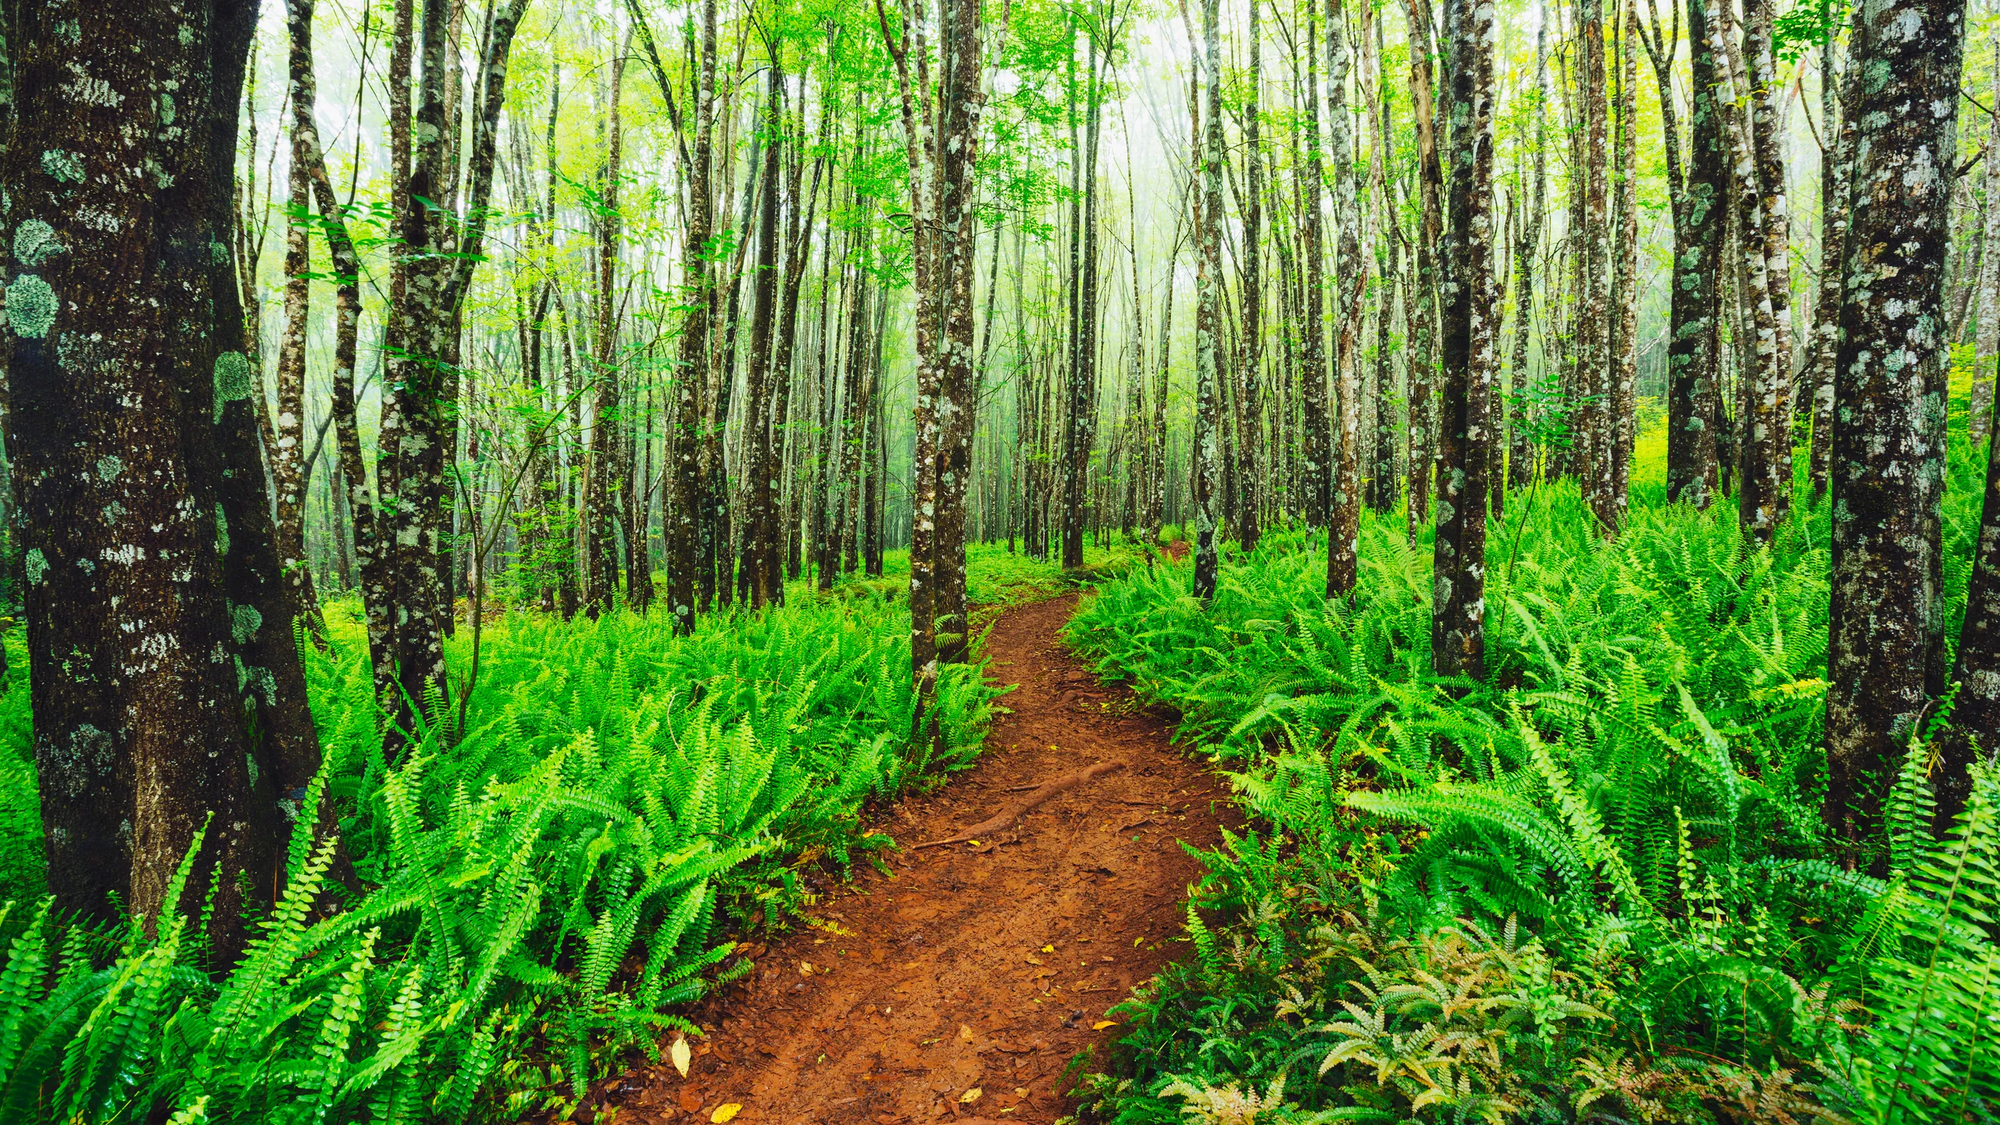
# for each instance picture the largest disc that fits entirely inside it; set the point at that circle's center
(981, 967)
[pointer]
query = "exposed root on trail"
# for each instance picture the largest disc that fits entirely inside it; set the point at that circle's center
(1041, 793)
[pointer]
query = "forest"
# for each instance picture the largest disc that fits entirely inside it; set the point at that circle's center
(1235, 562)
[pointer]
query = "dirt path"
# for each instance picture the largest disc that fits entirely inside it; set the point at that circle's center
(982, 967)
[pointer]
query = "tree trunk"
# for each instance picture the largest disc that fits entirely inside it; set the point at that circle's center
(1593, 325)
(1693, 361)
(1249, 368)
(1350, 285)
(604, 479)
(1884, 450)
(1422, 302)
(758, 576)
(693, 358)
(1317, 455)
(1458, 597)
(154, 604)
(1208, 310)
(1763, 417)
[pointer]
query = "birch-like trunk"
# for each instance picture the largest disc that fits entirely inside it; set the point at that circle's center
(1350, 285)
(1207, 469)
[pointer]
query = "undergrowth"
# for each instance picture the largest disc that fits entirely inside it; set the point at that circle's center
(1593, 887)
(532, 900)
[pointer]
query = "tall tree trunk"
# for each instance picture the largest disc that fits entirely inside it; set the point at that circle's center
(1521, 449)
(1208, 310)
(759, 578)
(1884, 448)
(1422, 302)
(1343, 558)
(1986, 347)
(693, 358)
(1836, 160)
(604, 479)
(154, 605)
(963, 95)
(1763, 416)
(288, 470)
(1622, 399)
(1458, 597)
(1317, 454)
(1593, 324)
(1383, 485)
(1249, 367)
(1693, 359)
(1767, 141)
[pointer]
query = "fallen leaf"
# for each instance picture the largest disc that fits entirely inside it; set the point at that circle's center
(725, 1112)
(970, 1096)
(805, 968)
(1020, 1091)
(690, 1099)
(965, 1033)
(1032, 959)
(972, 843)
(1100, 1025)
(1048, 949)
(682, 1056)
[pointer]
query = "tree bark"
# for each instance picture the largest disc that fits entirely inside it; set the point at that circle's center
(1422, 301)
(1208, 311)
(154, 605)
(1885, 456)
(1458, 596)
(1693, 362)
(1343, 557)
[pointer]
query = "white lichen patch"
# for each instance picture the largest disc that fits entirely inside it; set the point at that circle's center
(31, 307)
(36, 564)
(109, 466)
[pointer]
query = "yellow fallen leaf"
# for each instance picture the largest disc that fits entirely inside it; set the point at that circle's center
(725, 1112)
(972, 843)
(1020, 1091)
(805, 968)
(1100, 1025)
(1048, 949)
(682, 1056)
(965, 1033)
(1032, 959)
(970, 1096)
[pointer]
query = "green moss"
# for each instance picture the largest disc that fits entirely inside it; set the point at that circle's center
(31, 307)
(36, 564)
(244, 621)
(232, 380)
(221, 532)
(109, 466)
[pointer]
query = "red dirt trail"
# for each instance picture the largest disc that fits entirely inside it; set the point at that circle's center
(970, 968)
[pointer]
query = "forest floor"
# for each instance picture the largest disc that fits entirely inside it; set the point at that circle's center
(961, 985)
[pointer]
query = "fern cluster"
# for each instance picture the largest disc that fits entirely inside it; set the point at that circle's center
(526, 902)
(1628, 804)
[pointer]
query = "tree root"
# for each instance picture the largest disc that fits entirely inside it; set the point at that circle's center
(1041, 793)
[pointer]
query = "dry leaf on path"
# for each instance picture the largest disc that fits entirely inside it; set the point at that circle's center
(725, 1112)
(1100, 1025)
(681, 1056)
(971, 1096)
